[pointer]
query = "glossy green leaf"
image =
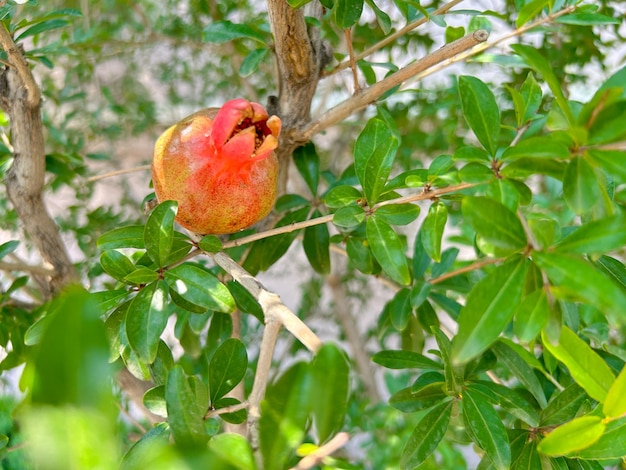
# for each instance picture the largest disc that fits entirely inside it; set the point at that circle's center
(227, 368)
(159, 232)
(316, 245)
(532, 315)
(42, 27)
(489, 308)
(184, 413)
(510, 400)
(154, 401)
(532, 95)
(251, 62)
(409, 401)
(596, 237)
(151, 448)
(388, 250)
(481, 111)
(587, 19)
(342, 195)
(199, 289)
(347, 12)
(430, 429)
(537, 147)
(573, 278)
(162, 364)
(401, 359)
(122, 237)
(308, 165)
(233, 449)
(146, 319)
(141, 275)
(611, 445)
(349, 217)
(588, 369)
(8, 247)
(529, 10)
(520, 368)
(540, 64)
(494, 222)
(580, 186)
(223, 31)
(573, 436)
(454, 373)
(398, 214)
(116, 264)
(400, 309)
(432, 230)
(563, 406)
(361, 256)
(331, 386)
(210, 244)
(486, 429)
(382, 18)
(615, 403)
(284, 415)
(374, 153)
(419, 293)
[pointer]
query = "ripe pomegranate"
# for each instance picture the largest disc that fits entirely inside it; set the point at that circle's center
(219, 165)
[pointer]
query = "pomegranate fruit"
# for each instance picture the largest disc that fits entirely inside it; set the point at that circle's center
(219, 165)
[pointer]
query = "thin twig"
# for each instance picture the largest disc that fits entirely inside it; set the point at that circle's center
(92, 179)
(355, 77)
(227, 409)
(392, 37)
(465, 269)
(317, 456)
(43, 270)
(370, 94)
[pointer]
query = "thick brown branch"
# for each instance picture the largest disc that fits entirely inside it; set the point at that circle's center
(19, 96)
(370, 94)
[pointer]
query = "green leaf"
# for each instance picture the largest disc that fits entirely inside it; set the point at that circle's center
(587, 368)
(532, 96)
(227, 368)
(198, 290)
(308, 164)
(8, 247)
(146, 319)
(123, 237)
(210, 244)
(141, 275)
(233, 449)
(43, 27)
(494, 222)
(400, 309)
(510, 400)
(361, 256)
(388, 250)
(580, 186)
(587, 19)
(563, 406)
(518, 366)
(615, 403)
(154, 401)
(596, 237)
(250, 63)
(541, 65)
(612, 161)
(530, 10)
(537, 147)
(486, 429)
(159, 232)
(184, 413)
(284, 415)
(69, 365)
(432, 230)
(573, 436)
(331, 386)
(341, 196)
(236, 417)
(532, 315)
(573, 278)
(316, 245)
(408, 400)
(611, 445)
(382, 18)
(481, 111)
(151, 446)
(401, 359)
(454, 374)
(349, 217)
(374, 153)
(223, 31)
(347, 12)
(398, 214)
(116, 264)
(430, 429)
(489, 308)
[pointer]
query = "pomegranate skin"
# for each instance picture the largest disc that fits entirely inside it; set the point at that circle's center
(219, 165)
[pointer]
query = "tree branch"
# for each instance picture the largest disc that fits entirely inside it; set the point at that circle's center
(370, 94)
(19, 96)
(392, 37)
(316, 457)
